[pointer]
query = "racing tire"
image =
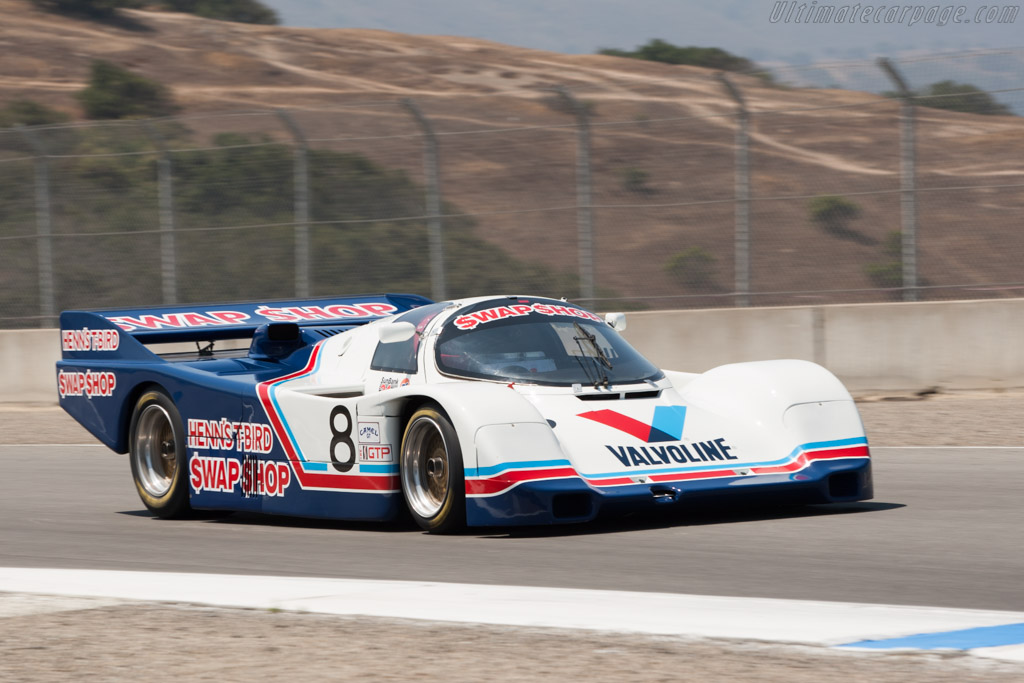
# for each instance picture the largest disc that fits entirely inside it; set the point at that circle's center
(156, 444)
(431, 469)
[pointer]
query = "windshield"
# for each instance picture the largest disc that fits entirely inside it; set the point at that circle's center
(538, 342)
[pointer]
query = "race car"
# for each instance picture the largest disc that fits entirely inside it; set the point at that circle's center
(488, 411)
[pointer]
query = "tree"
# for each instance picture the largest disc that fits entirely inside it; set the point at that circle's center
(658, 50)
(96, 9)
(29, 113)
(361, 236)
(243, 11)
(961, 97)
(117, 93)
(954, 96)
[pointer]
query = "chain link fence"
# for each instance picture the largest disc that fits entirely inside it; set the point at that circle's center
(751, 189)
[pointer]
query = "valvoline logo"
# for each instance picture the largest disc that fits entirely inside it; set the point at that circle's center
(667, 424)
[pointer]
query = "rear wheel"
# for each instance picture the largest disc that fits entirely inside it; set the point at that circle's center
(433, 481)
(157, 452)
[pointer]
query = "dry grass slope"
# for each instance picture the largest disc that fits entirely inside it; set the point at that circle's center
(805, 143)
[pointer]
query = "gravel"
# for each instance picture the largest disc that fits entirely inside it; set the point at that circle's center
(185, 643)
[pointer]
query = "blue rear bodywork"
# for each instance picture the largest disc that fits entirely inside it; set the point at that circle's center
(107, 363)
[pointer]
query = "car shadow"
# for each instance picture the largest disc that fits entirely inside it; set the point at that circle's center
(682, 515)
(229, 517)
(258, 519)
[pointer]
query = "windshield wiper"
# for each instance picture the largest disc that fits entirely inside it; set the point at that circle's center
(598, 351)
(596, 357)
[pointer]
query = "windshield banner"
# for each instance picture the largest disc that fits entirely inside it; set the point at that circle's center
(471, 320)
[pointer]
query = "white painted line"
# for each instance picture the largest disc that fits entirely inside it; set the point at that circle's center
(763, 619)
(1013, 653)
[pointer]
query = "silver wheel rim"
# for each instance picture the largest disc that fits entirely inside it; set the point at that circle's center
(154, 450)
(425, 469)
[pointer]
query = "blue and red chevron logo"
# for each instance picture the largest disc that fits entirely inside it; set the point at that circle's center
(666, 426)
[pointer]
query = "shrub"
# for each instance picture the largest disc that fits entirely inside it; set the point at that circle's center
(890, 273)
(635, 180)
(885, 275)
(833, 213)
(117, 93)
(563, 106)
(693, 267)
(361, 239)
(96, 9)
(29, 113)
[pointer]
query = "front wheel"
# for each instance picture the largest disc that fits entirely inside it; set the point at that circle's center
(157, 452)
(433, 481)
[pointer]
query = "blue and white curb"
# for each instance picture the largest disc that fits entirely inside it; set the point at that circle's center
(834, 624)
(1005, 641)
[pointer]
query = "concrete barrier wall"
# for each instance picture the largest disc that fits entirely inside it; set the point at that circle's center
(898, 347)
(957, 345)
(27, 360)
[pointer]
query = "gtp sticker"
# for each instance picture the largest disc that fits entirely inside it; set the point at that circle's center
(376, 453)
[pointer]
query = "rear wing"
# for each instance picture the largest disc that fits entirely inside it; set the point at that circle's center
(88, 334)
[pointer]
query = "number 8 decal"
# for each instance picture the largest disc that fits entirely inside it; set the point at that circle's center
(342, 437)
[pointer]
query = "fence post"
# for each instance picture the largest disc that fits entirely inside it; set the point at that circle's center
(303, 276)
(168, 256)
(432, 174)
(908, 179)
(584, 208)
(742, 247)
(44, 228)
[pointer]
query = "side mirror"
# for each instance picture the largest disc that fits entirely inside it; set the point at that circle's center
(395, 332)
(617, 321)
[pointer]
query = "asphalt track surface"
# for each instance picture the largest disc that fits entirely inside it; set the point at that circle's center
(944, 529)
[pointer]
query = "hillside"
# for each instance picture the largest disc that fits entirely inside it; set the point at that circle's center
(663, 153)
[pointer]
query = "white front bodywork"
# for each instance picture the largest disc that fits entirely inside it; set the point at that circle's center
(757, 416)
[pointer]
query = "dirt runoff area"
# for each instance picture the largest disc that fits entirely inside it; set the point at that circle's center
(186, 643)
(83, 640)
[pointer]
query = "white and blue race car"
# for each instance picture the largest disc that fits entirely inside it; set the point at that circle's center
(486, 411)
